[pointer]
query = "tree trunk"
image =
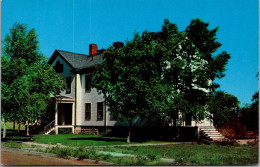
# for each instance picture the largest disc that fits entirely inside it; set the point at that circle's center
(129, 136)
(129, 132)
(14, 125)
(27, 129)
(19, 126)
(4, 132)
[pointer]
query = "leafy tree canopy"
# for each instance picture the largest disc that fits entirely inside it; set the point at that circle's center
(224, 108)
(27, 79)
(161, 73)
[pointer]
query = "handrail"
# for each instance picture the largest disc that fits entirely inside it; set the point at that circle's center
(49, 126)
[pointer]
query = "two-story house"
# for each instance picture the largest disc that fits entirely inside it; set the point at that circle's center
(80, 107)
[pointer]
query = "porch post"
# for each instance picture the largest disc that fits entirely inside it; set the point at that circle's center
(73, 117)
(56, 117)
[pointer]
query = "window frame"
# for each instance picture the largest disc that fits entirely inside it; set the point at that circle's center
(88, 77)
(68, 89)
(58, 67)
(98, 110)
(87, 119)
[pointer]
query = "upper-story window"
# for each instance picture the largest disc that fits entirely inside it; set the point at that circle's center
(88, 81)
(58, 67)
(68, 83)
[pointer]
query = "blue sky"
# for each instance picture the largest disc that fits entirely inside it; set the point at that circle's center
(71, 25)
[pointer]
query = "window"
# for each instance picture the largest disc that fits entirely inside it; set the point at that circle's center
(68, 83)
(100, 111)
(88, 111)
(58, 67)
(88, 81)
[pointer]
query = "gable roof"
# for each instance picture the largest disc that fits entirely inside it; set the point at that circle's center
(77, 61)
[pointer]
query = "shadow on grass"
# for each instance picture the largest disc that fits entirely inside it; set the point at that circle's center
(107, 139)
(100, 139)
(12, 135)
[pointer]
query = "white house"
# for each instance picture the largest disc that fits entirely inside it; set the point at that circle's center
(80, 107)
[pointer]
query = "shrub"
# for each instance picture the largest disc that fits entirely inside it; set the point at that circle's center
(107, 156)
(152, 157)
(12, 144)
(227, 143)
(140, 160)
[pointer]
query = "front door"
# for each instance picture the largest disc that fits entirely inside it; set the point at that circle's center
(187, 119)
(65, 114)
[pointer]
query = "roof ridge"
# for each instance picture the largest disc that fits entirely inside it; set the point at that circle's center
(72, 52)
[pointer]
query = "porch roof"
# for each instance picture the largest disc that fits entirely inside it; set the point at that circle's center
(63, 98)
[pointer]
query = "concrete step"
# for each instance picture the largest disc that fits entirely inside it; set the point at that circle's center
(48, 132)
(208, 129)
(90, 131)
(216, 138)
(211, 133)
(214, 135)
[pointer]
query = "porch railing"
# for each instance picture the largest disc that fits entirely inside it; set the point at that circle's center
(49, 126)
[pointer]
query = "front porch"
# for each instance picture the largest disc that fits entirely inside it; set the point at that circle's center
(64, 117)
(64, 113)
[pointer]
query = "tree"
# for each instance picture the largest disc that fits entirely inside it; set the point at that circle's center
(224, 108)
(27, 79)
(162, 73)
(249, 114)
(130, 80)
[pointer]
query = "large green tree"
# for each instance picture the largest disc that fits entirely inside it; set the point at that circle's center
(193, 65)
(224, 108)
(162, 73)
(130, 79)
(27, 79)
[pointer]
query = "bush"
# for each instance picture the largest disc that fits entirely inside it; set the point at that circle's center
(12, 144)
(227, 143)
(152, 157)
(141, 160)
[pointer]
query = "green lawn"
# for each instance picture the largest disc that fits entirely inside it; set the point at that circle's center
(195, 154)
(9, 125)
(184, 154)
(78, 140)
(83, 140)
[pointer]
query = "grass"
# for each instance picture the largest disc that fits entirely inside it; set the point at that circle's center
(9, 125)
(91, 153)
(78, 140)
(195, 154)
(183, 154)
(83, 140)
(11, 144)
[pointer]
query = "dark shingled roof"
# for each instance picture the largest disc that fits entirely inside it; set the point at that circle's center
(77, 61)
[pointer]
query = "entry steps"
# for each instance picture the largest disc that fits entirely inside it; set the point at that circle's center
(211, 133)
(49, 131)
(90, 131)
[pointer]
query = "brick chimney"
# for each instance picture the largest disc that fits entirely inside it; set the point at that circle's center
(93, 49)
